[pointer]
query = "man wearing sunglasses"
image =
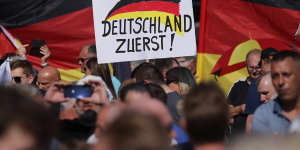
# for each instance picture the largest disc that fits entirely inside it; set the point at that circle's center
(87, 52)
(22, 72)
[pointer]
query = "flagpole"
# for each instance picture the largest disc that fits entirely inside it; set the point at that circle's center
(201, 45)
(295, 38)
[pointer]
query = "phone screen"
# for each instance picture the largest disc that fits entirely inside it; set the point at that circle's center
(35, 47)
(78, 92)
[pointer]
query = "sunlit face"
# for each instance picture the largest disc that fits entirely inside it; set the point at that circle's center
(266, 90)
(19, 77)
(285, 78)
(45, 80)
(16, 138)
(83, 58)
(253, 67)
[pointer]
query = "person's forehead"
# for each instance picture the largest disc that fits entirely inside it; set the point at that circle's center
(47, 76)
(137, 93)
(18, 71)
(286, 64)
(84, 51)
(264, 85)
(89, 55)
(254, 58)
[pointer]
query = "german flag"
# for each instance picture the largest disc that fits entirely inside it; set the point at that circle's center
(230, 29)
(65, 26)
(146, 8)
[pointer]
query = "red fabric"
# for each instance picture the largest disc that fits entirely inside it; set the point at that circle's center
(5, 45)
(232, 22)
(226, 24)
(64, 35)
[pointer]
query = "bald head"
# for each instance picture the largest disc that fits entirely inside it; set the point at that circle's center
(265, 88)
(47, 76)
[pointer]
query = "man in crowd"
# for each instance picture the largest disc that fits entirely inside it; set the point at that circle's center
(238, 93)
(46, 77)
(267, 93)
(276, 116)
(189, 62)
(104, 118)
(253, 99)
(90, 51)
(134, 131)
(148, 73)
(22, 72)
(206, 117)
(87, 51)
(158, 110)
(164, 65)
(120, 70)
(265, 88)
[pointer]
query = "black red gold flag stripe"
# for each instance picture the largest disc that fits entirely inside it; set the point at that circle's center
(65, 26)
(125, 6)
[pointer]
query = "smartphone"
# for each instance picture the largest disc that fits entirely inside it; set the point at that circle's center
(35, 47)
(78, 91)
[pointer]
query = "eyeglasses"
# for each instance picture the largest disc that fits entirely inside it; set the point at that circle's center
(17, 79)
(254, 67)
(81, 60)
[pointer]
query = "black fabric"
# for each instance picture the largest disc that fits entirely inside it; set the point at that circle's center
(122, 71)
(185, 146)
(172, 100)
(16, 13)
(74, 130)
(237, 96)
(288, 4)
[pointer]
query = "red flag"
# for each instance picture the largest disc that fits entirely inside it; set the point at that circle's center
(65, 26)
(230, 29)
(8, 43)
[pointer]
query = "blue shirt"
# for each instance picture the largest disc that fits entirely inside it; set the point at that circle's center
(268, 119)
(181, 137)
(116, 83)
(253, 98)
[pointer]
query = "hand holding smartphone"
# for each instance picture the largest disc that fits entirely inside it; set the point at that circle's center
(35, 47)
(78, 91)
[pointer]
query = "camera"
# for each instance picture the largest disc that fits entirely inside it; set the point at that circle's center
(78, 91)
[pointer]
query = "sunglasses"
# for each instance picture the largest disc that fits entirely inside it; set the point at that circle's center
(82, 59)
(17, 79)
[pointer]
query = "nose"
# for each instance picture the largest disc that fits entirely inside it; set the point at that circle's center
(281, 81)
(263, 98)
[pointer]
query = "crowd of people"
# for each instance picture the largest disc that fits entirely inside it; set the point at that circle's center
(158, 107)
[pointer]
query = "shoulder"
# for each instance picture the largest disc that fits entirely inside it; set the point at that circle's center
(238, 84)
(265, 108)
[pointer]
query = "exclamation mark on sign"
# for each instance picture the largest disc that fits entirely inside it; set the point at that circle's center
(172, 41)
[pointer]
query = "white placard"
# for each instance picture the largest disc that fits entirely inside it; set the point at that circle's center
(129, 30)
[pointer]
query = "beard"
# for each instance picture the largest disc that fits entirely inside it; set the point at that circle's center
(88, 118)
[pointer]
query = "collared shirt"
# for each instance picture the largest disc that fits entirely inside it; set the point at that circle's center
(268, 119)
